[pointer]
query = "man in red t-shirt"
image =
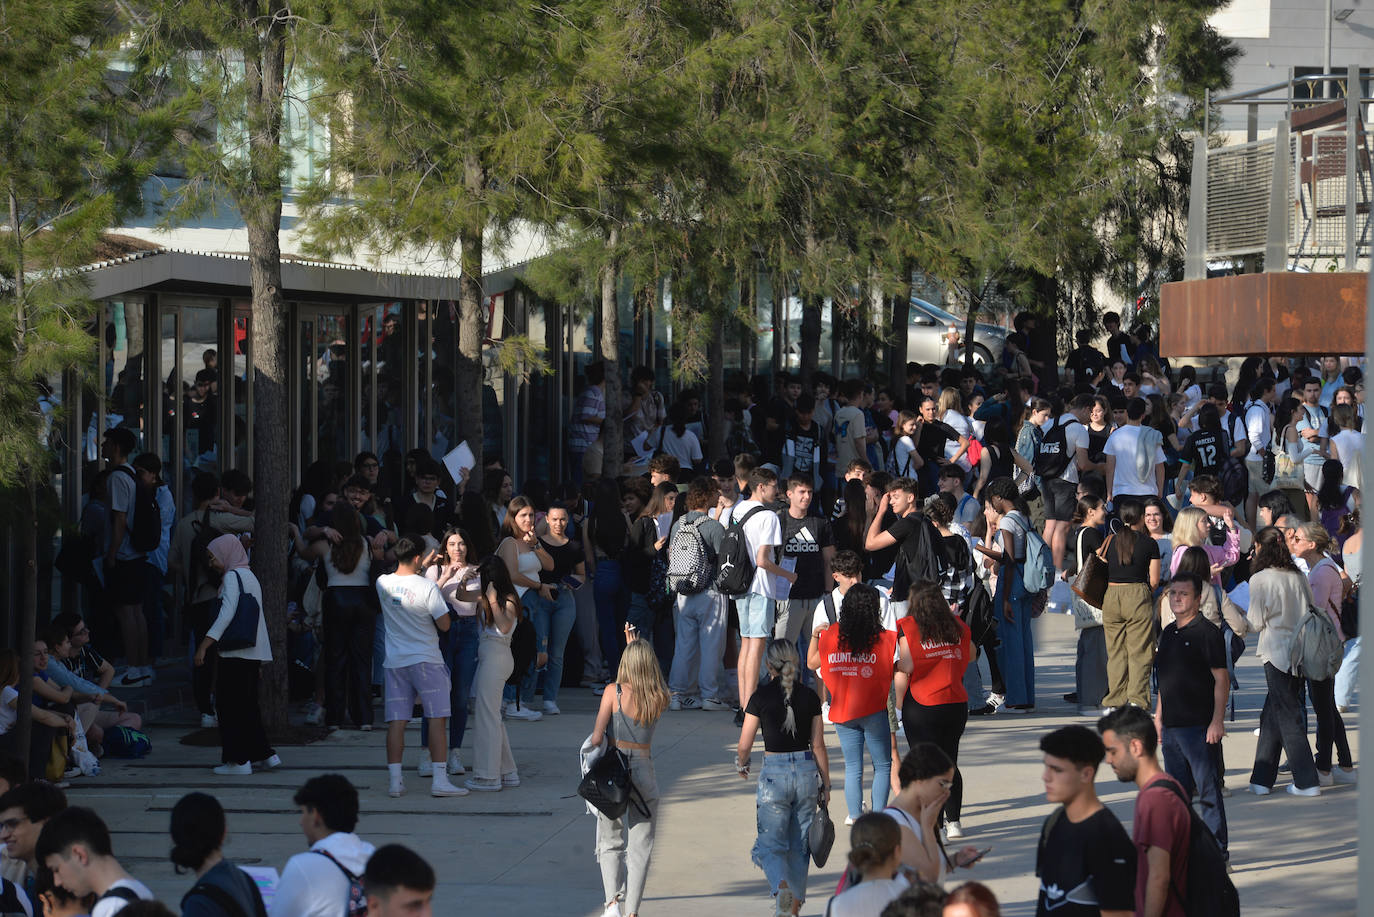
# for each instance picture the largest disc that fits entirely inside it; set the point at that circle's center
(1160, 828)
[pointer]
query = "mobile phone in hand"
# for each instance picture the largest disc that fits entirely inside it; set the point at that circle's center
(571, 583)
(982, 853)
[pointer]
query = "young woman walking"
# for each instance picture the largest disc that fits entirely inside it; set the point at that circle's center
(935, 706)
(630, 709)
(795, 774)
(499, 610)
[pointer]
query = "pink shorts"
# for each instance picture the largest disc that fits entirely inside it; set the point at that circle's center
(426, 681)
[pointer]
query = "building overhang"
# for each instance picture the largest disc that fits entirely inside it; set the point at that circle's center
(1300, 314)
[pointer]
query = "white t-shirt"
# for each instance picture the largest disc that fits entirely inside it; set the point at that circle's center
(905, 447)
(108, 907)
(685, 448)
(867, 898)
(960, 425)
(410, 606)
(9, 714)
(761, 529)
(1075, 438)
(820, 619)
(1259, 427)
(1349, 446)
(1123, 444)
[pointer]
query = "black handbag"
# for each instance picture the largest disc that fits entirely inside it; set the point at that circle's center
(608, 786)
(820, 837)
(242, 632)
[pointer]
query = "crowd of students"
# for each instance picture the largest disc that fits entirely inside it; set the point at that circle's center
(875, 557)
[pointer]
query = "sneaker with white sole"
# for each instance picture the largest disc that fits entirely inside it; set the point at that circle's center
(426, 766)
(483, 784)
(1259, 790)
(613, 909)
(443, 787)
(675, 703)
(953, 830)
(1344, 775)
(1325, 779)
(782, 903)
(691, 702)
(551, 709)
(849, 820)
(996, 700)
(269, 763)
(512, 779)
(455, 764)
(234, 770)
(133, 677)
(397, 788)
(314, 714)
(208, 721)
(513, 712)
(149, 675)
(1295, 790)
(710, 703)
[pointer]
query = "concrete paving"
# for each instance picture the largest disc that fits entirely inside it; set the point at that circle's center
(531, 849)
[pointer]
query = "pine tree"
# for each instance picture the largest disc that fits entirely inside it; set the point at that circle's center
(74, 150)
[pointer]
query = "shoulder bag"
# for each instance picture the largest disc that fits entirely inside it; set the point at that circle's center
(242, 632)
(1091, 583)
(608, 785)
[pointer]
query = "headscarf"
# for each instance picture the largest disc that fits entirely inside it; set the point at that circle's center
(228, 550)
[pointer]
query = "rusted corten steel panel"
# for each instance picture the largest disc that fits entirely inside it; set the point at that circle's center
(1280, 313)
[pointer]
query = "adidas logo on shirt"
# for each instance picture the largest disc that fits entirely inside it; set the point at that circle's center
(802, 543)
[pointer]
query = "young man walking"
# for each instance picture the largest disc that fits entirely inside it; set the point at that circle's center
(807, 549)
(415, 614)
(315, 883)
(1161, 826)
(762, 536)
(1062, 454)
(1085, 860)
(1189, 710)
(699, 648)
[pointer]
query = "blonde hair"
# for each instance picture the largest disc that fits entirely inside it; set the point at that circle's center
(872, 840)
(639, 669)
(1185, 527)
(951, 399)
(1316, 533)
(782, 660)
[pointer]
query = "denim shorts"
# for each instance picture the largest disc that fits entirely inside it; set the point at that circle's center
(427, 681)
(755, 615)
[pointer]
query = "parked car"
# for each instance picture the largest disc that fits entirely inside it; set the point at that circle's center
(928, 326)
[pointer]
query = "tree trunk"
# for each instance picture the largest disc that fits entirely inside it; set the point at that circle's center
(613, 430)
(715, 382)
(28, 612)
(1044, 346)
(810, 342)
(261, 204)
(975, 303)
(898, 317)
(779, 313)
(471, 326)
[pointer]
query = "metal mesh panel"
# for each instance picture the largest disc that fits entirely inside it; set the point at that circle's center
(1317, 226)
(1238, 198)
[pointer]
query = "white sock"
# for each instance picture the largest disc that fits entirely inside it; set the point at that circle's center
(395, 771)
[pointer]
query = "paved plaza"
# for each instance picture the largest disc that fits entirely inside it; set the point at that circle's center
(530, 850)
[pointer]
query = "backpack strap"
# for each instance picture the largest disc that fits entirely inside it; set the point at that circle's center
(1045, 830)
(227, 902)
(342, 868)
(1174, 788)
(828, 603)
(122, 892)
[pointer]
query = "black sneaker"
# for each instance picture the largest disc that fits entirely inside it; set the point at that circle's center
(1071, 697)
(985, 710)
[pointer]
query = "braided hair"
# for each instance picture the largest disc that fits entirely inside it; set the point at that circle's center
(783, 661)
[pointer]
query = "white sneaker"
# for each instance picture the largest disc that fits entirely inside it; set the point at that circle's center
(314, 714)
(996, 700)
(953, 830)
(270, 763)
(397, 788)
(711, 703)
(425, 767)
(675, 703)
(1257, 731)
(613, 909)
(849, 820)
(1260, 790)
(442, 787)
(1325, 779)
(484, 784)
(523, 713)
(512, 779)
(234, 770)
(208, 721)
(1344, 775)
(551, 709)
(455, 764)
(1293, 790)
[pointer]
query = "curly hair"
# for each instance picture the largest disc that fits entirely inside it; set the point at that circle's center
(935, 623)
(860, 618)
(1271, 550)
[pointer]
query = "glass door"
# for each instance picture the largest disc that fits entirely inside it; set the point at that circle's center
(323, 409)
(192, 391)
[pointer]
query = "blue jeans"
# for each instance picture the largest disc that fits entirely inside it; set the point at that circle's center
(640, 616)
(1347, 679)
(786, 804)
(697, 657)
(612, 603)
(553, 621)
(1190, 760)
(873, 731)
(459, 647)
(1017, 651)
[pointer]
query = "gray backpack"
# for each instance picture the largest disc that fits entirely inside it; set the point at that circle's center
(691, 562)
(1317, 649)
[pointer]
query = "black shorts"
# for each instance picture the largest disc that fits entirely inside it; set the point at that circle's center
(126, 582)
(1061, 499)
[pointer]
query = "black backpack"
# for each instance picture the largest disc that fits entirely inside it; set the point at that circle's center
(927, 560)
(1052, 455)
(524, 649)
(226, 902)
(145, 521)
(1210, 892)
(1233, 475)
(736, 571)
(202, 534)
